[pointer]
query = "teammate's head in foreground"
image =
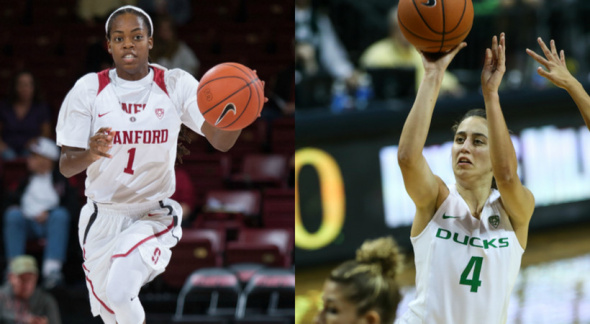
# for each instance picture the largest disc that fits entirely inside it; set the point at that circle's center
(363, 290)
(470, 152)
(129, 32)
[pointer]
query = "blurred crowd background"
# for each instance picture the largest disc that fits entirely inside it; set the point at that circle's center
(240, 201)
(356, 79)
(354, 45)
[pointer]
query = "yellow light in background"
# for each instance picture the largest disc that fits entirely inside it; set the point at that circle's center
(332, 194)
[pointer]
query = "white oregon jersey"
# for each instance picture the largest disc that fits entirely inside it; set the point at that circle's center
(465, 267)
(146, 116)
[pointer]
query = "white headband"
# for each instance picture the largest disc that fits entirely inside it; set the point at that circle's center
(106, 26)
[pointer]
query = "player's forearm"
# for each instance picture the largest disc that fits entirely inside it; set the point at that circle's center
(221, 140)
(72, 162)
(417, 125)
(582, 100)
(504, 163)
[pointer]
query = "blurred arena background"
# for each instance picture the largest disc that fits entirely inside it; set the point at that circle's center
(350, 188)
(241, 227)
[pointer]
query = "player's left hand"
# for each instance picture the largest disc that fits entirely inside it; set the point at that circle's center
(494, 65)
(557, 71)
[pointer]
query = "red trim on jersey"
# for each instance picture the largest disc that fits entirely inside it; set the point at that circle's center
(159, 79)
(122, 255)
(101, 302)
(103, 80)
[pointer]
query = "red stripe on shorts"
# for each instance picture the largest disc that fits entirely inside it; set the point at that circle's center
(95, 296)
(122, 255)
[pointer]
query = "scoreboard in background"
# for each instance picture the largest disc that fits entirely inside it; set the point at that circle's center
(349, 186)
(553, 163)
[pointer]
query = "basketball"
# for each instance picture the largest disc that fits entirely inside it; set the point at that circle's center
(435, 26)
(230, 96)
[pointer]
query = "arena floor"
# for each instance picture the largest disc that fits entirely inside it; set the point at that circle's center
(553, 285)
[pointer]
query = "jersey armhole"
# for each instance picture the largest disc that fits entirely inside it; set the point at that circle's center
(436, 214)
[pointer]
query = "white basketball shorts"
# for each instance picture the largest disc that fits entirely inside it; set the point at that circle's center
(109, 231)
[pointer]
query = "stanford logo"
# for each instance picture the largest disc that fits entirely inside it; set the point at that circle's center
(156, 255)
(160, 113)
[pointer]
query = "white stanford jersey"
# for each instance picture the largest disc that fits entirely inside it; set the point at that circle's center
(465, 267)
(146, 116)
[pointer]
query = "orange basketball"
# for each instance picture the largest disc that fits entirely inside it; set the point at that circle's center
(435, 25)
(230, 96)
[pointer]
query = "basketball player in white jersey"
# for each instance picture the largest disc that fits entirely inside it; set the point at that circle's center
(468, 237)
(559, 75)
(121, 126)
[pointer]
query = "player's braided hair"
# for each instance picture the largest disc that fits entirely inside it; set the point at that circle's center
(369, 281)
(183, 136)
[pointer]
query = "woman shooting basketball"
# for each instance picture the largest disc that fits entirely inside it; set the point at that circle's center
(558, 73)
(468, 237)
(122, 126)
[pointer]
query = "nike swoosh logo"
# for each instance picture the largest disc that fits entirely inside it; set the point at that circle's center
(100, 115)
(446, 217)
(229, 107)
(430, 3)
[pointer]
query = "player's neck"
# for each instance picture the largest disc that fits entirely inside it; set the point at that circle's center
(132, 76)
(475, 197)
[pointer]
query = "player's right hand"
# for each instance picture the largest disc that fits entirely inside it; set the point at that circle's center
(101, 142)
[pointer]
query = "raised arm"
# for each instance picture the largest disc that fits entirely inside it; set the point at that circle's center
(558, 73)
(74, 160)
(421, 184)
(517, 200)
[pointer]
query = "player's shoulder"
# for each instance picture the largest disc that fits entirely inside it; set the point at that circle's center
(93, 81)
(173, 78)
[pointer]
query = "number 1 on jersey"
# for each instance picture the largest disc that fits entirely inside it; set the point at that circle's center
(475, 264)
(129, 168)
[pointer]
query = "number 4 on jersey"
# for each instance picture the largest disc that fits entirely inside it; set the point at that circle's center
(474, 282)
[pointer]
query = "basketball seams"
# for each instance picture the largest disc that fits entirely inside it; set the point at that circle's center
(421, 17)
(460, 18)
(444, 22)
(239, 77)
(437, 27)
(243, 110)
(203, 84)
(247, 85)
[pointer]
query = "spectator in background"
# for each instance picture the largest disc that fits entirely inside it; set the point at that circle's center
(178, 10)
(39, 209)
(20, 299)
(395, 51)
(317, 47)
(23, 117)
(92, 11)
(171, 52)
(364, 290)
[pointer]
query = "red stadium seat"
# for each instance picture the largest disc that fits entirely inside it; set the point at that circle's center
(269, 295)
(208, 171)
(245, 271)
(198, 248)
(209, 295)
(15, 172)
(271, 247)
(229, 210)
(282, 135)
(260, 170)
(278, 208)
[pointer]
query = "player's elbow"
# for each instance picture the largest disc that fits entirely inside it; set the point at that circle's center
(405, 158)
